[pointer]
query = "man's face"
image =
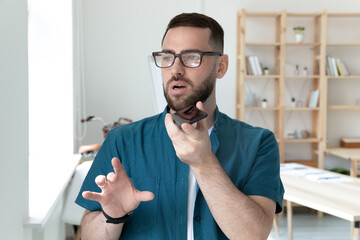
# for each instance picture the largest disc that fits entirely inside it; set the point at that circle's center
(185, 86)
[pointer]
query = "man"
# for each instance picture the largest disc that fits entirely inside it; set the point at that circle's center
(215, 179)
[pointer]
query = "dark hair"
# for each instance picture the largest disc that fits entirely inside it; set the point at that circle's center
(201, 21)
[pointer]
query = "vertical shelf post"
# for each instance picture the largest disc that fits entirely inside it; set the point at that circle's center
(323, 93)
(281, 99)
(241, 72)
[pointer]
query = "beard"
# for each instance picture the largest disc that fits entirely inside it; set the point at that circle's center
(201, 93)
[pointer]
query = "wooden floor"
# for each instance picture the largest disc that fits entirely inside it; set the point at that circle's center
(307, 226)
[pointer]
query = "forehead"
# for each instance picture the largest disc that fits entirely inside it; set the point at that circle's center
(182, 38)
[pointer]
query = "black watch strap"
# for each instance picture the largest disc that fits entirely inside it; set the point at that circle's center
(117, 220)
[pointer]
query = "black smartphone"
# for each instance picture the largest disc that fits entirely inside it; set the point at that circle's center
(189, 114)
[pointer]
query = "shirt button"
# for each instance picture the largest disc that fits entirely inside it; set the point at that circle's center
(197, 218)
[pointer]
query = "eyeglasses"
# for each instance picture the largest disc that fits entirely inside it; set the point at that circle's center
(191, 59)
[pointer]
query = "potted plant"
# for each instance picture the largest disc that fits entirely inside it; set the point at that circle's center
(299, 34)
(266, 71)
(296, 71)
(264, 103)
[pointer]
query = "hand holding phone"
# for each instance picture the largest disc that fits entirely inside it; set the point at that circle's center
(189, 114)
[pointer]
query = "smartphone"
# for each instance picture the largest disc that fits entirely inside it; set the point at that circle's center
(189, 114)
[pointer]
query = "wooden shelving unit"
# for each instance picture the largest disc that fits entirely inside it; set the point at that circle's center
(280, 78)
(352, 44)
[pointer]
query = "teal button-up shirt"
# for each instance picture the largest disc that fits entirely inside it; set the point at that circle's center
(248, 154)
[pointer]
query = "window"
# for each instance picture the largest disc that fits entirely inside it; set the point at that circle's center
(51, 139)
(50, 77)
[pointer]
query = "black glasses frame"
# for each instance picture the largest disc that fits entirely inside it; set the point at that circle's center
(155, 54)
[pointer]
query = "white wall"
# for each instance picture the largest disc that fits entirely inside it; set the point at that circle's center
(13, 119)
(119, 35)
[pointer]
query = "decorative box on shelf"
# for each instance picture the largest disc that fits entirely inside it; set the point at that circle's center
(350, 142)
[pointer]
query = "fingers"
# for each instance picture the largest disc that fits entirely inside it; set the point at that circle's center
(171, 128)
(143, 196)
(175, 132)
(188, 128)
(118, 167)
(200, 105)
(111, 177)
(101, 181)
(94, 196)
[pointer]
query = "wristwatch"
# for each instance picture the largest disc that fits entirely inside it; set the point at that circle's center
(122, 219)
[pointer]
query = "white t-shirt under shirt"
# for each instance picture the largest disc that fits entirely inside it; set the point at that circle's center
(191, 201)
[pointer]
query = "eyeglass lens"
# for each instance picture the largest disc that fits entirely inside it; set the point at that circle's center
(189, 59)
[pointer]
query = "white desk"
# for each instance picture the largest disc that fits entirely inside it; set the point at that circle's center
(46, 187)
(339, 197)
(352, 154)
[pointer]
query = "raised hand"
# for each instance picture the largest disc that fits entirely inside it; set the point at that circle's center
(191, 142)
(118, 195)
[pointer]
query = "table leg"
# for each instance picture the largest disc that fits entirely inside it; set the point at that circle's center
(355, 231)
(276, 225)
(353, 169)
(289, 219)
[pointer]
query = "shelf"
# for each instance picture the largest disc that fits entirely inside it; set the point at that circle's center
(301, 140)
(263, 44)
(343, 107)
(299, 14)
(343, 14)
(344, 77)
(301, 76)
(261, 76)
(321, 43)
(355, 44)
(262, 14)
(302, 108)
(286, 108)
(262, 109)
(294, 44)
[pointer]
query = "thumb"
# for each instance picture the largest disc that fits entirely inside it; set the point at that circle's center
(200, 106)
(144, 196)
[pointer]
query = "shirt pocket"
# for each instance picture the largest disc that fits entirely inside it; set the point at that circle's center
(146, 214)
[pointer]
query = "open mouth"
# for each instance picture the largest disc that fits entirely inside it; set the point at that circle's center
(178, 86)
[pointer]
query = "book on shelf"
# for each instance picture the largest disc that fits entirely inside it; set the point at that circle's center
(336, 67)
(313, 98)
(254, 66)
(342, 68)
(250, 66)
(258, 66)
(329, 67)
(332, 66)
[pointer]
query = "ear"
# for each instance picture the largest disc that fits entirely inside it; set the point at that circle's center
(222, 66)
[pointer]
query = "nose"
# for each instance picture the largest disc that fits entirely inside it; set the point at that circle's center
(177, 69)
